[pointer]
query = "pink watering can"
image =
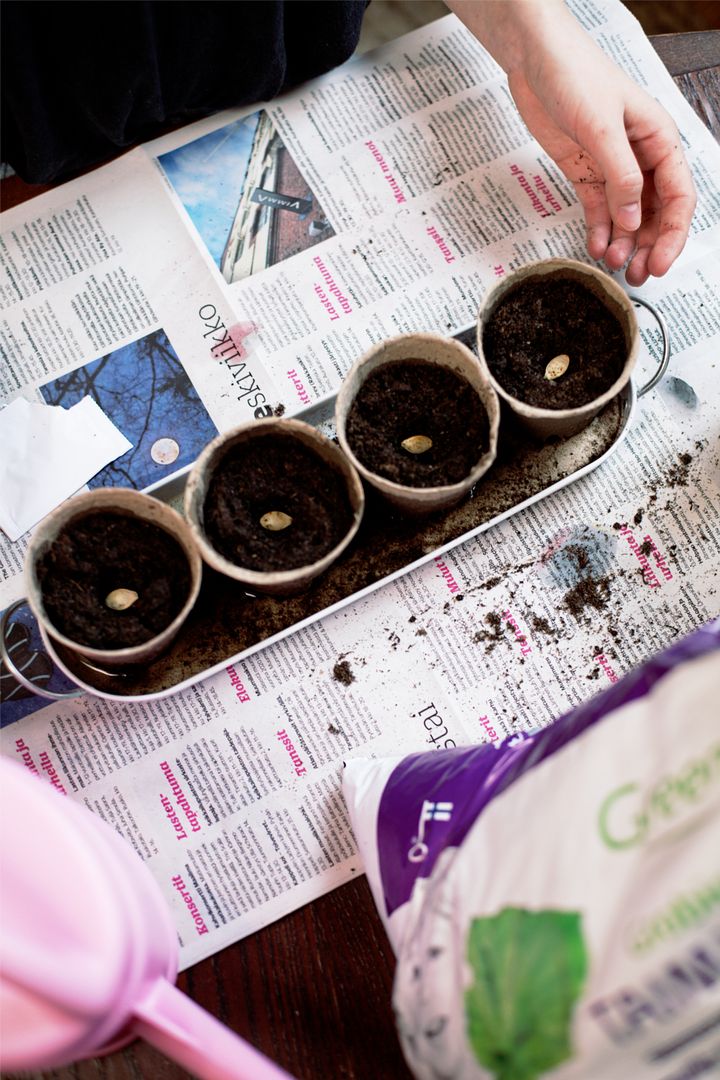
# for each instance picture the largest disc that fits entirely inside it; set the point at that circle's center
(88, 950)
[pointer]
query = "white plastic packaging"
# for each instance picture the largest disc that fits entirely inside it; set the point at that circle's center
(554, 900)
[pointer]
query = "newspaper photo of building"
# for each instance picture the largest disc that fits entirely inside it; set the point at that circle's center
(246, 196)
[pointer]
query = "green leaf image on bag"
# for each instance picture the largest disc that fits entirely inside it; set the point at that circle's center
(529, 968)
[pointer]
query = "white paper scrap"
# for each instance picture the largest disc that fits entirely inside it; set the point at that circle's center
(49, 453)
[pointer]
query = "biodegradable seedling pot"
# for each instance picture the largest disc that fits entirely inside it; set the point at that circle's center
(556, 328)
(103, 569)
(273, 503)
(415, 362)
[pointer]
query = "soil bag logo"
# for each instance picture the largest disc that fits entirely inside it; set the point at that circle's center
(529, 968)
(431, 811)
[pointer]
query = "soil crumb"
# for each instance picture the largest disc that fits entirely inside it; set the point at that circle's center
(490, 583)
(677, 475)
(342, 673)
(492, 636)
(589, 592)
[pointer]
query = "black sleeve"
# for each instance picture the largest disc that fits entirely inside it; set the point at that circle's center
(82, 80)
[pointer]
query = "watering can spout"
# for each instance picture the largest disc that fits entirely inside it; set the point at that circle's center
(185, 1032)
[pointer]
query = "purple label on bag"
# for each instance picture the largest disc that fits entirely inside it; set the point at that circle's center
(432, 799)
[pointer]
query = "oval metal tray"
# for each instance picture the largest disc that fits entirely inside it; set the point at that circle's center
(229, 624)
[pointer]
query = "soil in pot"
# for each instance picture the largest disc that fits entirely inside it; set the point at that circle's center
(95, 556)
(259, 484)
(405, 401)
(537, 321)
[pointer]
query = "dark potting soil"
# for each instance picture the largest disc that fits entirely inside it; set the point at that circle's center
(101, 552)
(539, 320)
(275, 473)
(405, 398)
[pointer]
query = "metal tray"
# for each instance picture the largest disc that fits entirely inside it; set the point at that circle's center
(228, 624)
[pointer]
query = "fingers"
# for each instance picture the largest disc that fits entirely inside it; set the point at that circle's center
(637, 272)
(598, 238)
(589, 184)
(620, 250)
(664, 216)
(613, 207)
(675, 217)
(649, 251)
(673, 197)
(649, 193)
(668, 246)
(663, 233)
(597, 218)
(610, 147)
(633, 248)
(605, 240)
(623, 193)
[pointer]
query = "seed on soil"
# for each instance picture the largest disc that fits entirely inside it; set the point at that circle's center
(557, 366)
(275, 520)
(120, 599)
(417, 444)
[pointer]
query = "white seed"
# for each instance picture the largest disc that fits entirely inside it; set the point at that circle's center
(120, 599)
(557, 366)
(417, 444)
(275, 520)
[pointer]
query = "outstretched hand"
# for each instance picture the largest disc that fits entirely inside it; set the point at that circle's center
(618, 146)
(621, 151)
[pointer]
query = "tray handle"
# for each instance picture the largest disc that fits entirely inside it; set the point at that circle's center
(15, 671)
(665, 358)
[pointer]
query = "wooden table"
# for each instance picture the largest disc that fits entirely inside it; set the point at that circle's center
(313, 990)
(693, 60)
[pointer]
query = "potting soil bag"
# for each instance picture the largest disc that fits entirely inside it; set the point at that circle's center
(554, 899)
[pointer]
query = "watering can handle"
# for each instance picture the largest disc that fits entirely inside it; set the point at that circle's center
(185, 1032)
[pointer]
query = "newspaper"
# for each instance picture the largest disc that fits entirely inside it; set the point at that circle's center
(242, 264)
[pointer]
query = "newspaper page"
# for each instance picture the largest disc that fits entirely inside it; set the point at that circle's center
(237, 268)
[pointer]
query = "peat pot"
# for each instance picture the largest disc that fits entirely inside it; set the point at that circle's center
(418, 417)
(112, 574)
(273, 503)
(560, 340)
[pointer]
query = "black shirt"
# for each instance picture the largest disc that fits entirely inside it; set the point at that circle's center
(82, 80)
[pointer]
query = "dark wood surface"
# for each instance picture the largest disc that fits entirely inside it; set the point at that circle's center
(313, 990)
(685, 53)
(694, 62)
